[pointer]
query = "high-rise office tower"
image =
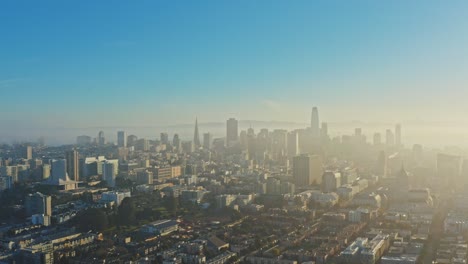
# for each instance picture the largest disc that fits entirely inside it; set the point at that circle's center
(314, 122)
(101, 139)
(38, 203)
(132, 140)
(142, 144)
(108, 173)
(196, 136)
(28, 152)
(121, 139)
(164, 137)
(377, 139)
(59, 171)
(324, 130)
(390, 138)
(176, 142)
(358, 132)
(207, 141)
(279, 141)
(398, 135)
(73, 164)
(331, 181)
(251, 146)
(188, 147)
(307, 170)
(232, 133)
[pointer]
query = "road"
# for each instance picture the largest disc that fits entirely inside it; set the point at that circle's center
(436, 232)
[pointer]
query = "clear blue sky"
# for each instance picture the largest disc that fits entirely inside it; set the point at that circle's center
(88, 63)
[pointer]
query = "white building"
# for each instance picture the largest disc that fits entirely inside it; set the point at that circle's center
(161, 227)
(59, 176)
(364, 251)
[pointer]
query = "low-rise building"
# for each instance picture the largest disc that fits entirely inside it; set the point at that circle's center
(161, 227)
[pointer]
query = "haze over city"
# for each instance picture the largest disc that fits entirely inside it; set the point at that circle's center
(73, 65)
(233, 132)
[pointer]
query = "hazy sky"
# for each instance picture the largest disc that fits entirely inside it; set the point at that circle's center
(110, 63)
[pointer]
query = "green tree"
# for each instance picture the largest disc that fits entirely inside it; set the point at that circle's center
(123, 182)
(127, 212)
(276, 252)
(172, 205)
(92, 219)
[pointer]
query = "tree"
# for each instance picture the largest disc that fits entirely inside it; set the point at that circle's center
(127, 212)
(101, 184)
(92, 219)
(87, 197)
(124, 183)
(276, 251)
(171, 204)
(46, 189)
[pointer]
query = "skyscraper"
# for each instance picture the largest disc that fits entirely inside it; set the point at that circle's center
(314, 122)
(324, 130)
(121, 139)
(390, 138)
(28, 152)
(358, 132)
(279, 143)
(196, 136)
(176, 143)
(377, 139)
(131, 140)
(307, 170)
(108, 173)
(72, 164)
(331, 181)
(59, 171)
(232, 133)
(398, 135)
(38, 203)
(101, 139)
(207, 141)
(164, 137)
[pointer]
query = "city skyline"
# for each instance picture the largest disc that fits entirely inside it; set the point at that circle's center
(234, 132)
(430, 134)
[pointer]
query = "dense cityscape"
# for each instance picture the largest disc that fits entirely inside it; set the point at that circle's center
(233, 132)
(250, 197)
